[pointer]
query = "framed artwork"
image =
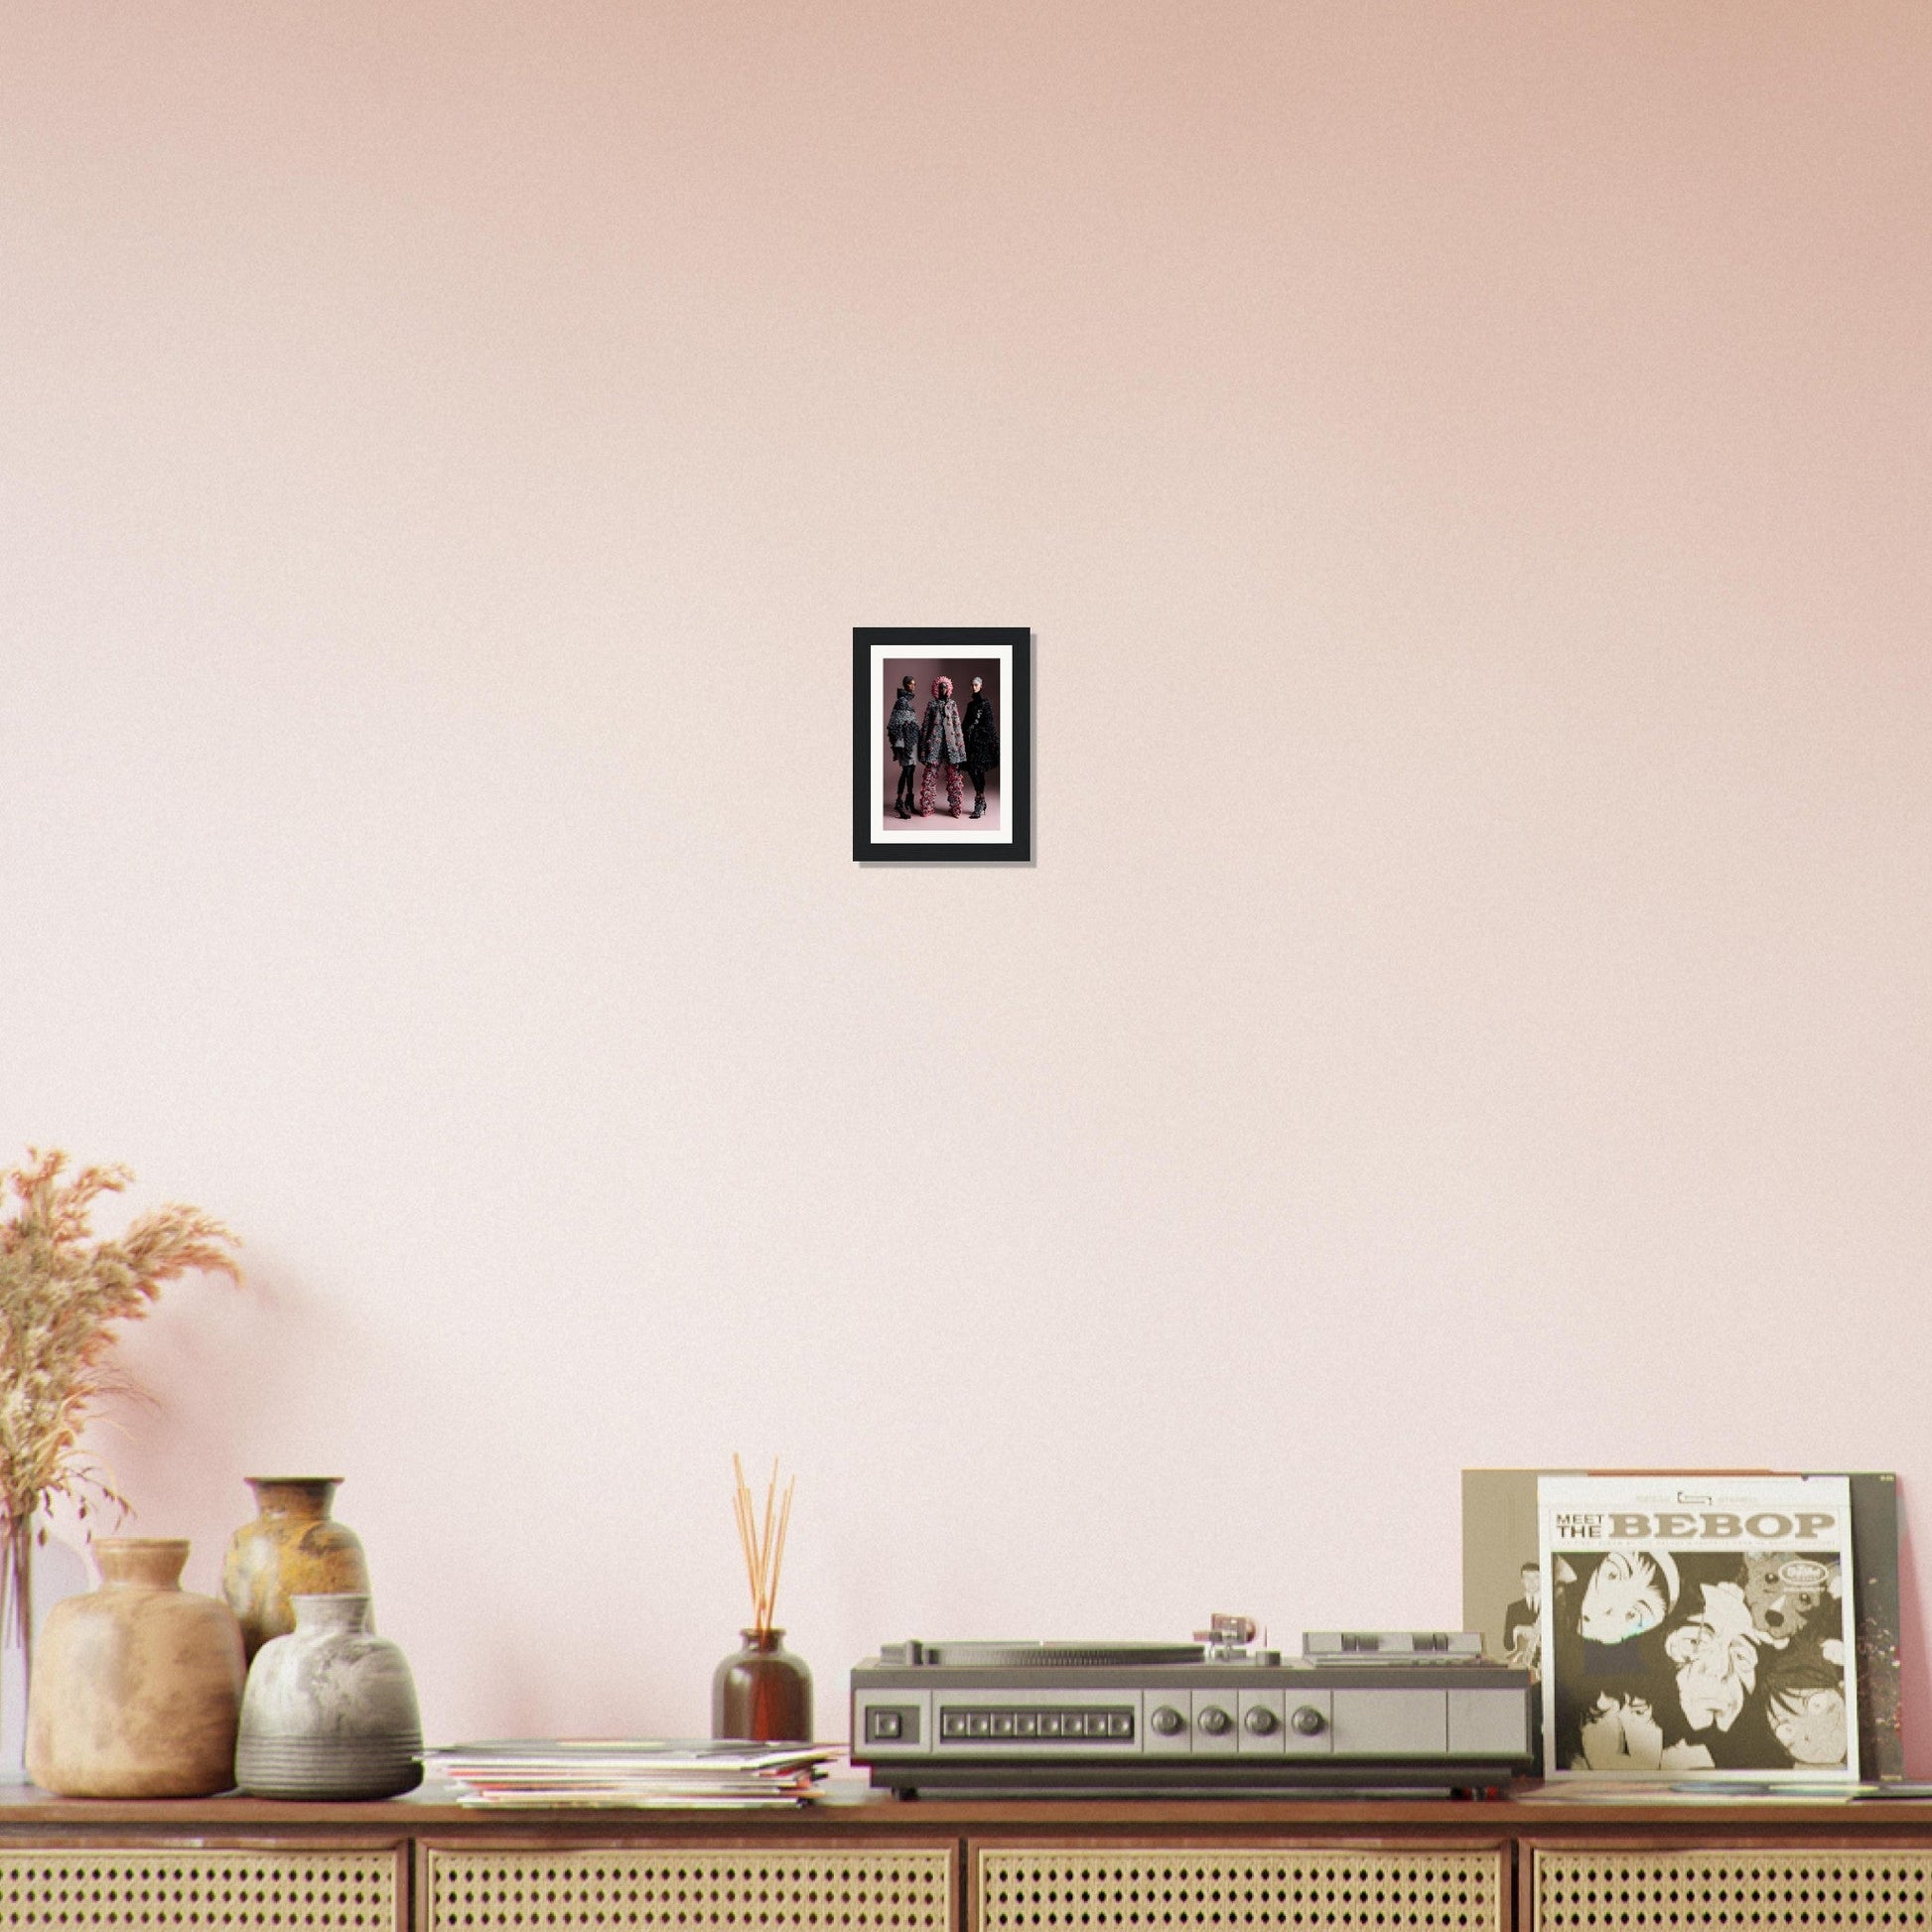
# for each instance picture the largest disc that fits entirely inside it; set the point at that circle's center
(942, 744)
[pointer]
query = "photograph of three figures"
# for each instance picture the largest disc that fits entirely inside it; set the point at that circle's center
(932, 750)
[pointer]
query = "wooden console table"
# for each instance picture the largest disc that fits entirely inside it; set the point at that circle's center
(878, 1864)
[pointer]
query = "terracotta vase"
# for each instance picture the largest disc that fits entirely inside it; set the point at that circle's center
(137, 1686)
(294, 1547)
(330, 1710)
(762, 1692)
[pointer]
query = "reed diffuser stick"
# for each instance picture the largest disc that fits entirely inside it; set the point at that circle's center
(743, 1526)
(779, 1554)
(765, 1552)
(761, 1539)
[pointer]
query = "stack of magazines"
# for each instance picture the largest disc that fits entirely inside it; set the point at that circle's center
(680, 1772)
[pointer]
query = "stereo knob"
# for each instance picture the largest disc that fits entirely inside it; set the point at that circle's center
(1309, 1720)
(1216, 1722)
(1261, 1721)
(1168, 1721)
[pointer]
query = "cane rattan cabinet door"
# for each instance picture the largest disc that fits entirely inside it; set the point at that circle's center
(823, 1888)
(1150, 1889)
(1751, 1888)
(167, 1888)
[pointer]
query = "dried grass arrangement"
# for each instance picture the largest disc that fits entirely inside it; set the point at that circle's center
(63, 1295)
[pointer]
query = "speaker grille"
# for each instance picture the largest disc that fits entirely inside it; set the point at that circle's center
(768, 1891)
(1703, 1891)
(197, 1891)
(1093, 1891)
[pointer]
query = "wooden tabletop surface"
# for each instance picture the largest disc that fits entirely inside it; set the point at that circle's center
(849, 1807)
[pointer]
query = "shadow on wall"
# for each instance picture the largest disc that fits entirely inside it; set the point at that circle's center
(223, 1376)
(524, 1693)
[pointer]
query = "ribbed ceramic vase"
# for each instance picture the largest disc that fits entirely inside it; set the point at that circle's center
(137, 1686)
(330, 1709)
(762, 1692)
(293, 1547)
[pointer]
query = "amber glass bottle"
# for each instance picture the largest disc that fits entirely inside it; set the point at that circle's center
(762, 1693)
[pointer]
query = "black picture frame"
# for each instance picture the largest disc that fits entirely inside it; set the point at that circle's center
(1003, 655)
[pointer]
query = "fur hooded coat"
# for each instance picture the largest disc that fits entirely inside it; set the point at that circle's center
(942, 739)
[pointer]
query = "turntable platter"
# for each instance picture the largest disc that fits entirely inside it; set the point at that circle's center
(1057, 1656)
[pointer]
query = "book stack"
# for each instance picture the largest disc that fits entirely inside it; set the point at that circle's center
(681, 1772)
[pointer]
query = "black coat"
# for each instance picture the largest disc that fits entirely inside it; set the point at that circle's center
(981, 733)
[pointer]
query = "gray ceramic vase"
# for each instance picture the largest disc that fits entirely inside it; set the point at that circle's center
(330, 1710)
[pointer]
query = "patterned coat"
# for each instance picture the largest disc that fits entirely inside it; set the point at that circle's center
(903, 730)
(941, 740)
(982, 731)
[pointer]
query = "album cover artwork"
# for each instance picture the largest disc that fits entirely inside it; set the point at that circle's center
(1502, 1589)
(1697, 1629)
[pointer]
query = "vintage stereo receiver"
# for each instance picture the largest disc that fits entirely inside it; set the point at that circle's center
(1367, 1710)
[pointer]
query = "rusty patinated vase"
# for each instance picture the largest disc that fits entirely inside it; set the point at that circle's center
(294, 1548)
(137, 1686)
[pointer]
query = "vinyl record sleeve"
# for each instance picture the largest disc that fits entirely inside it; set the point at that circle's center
(1502, 1585)
(1698, 1628)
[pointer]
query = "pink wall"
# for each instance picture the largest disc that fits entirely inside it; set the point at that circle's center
(447, 448)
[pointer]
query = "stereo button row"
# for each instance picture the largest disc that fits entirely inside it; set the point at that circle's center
(1113, 1725)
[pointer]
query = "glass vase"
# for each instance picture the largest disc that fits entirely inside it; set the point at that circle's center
(16, 1653)
(762, 1693)
(51, 1570)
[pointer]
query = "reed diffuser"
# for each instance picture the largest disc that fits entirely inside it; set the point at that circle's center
(762, 1693)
